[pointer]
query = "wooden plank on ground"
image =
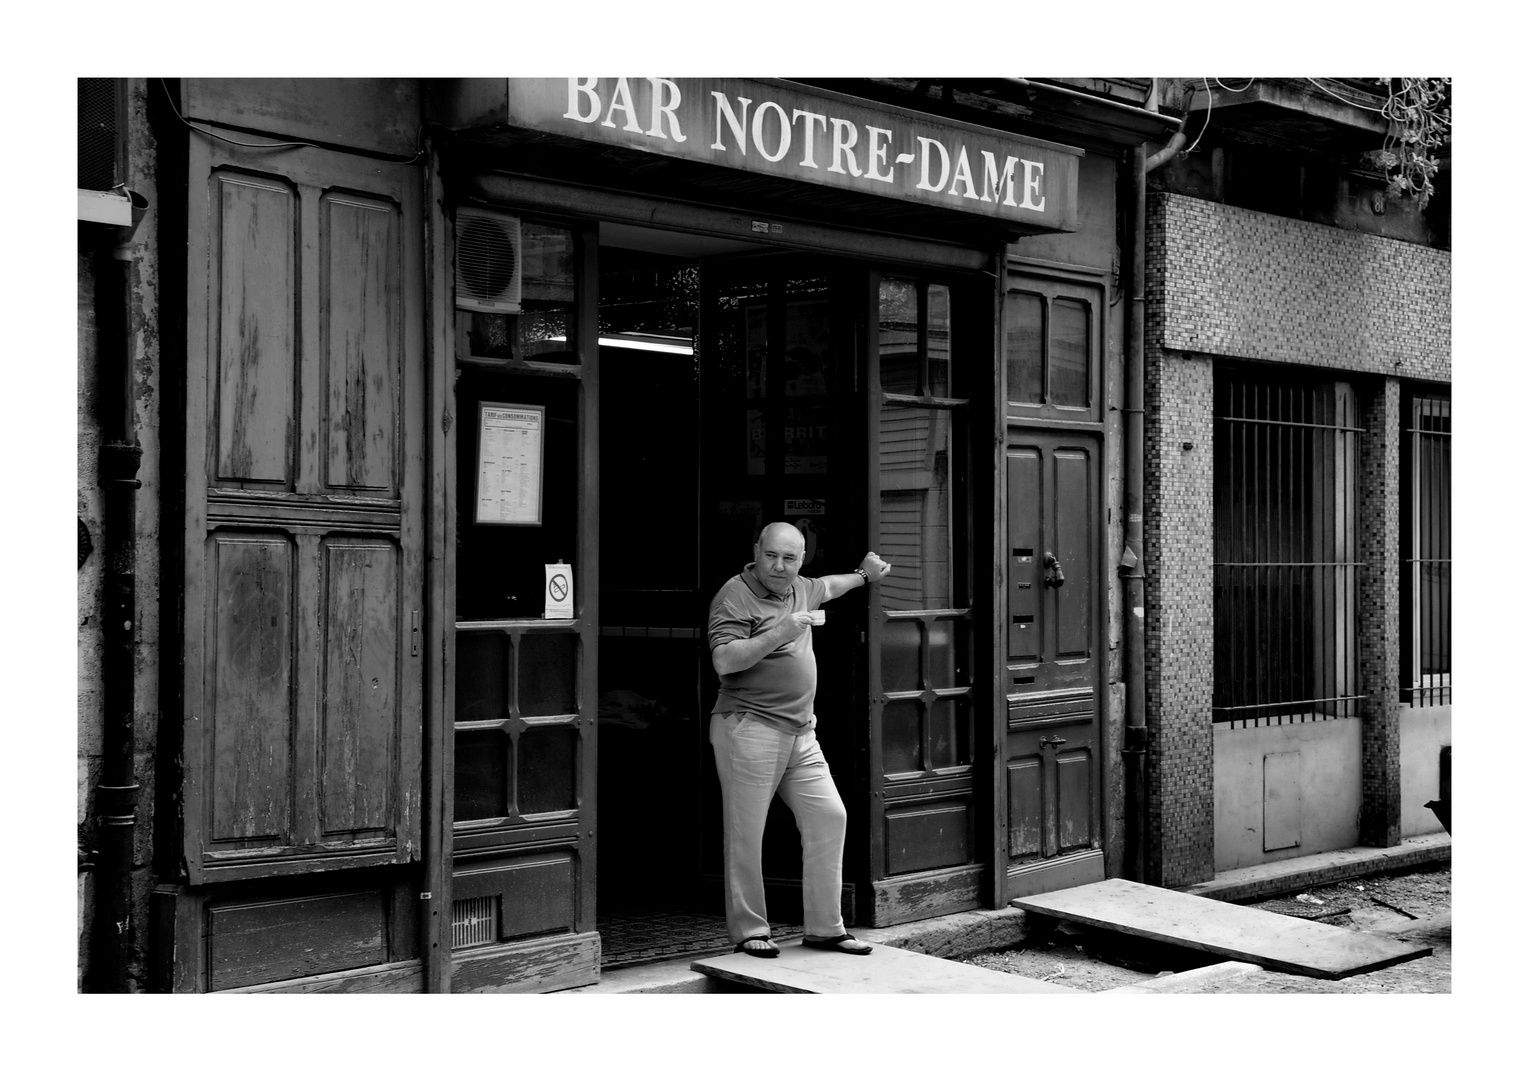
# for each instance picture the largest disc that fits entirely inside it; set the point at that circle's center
(1277, 942)
(886, 970)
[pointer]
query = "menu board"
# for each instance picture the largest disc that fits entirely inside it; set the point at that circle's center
(510, 445)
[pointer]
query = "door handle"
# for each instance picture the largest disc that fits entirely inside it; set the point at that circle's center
(1055, 579)
(1053, 740)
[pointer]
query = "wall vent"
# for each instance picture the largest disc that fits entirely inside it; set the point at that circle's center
(474, 921)
(99, 163)
(488, 261)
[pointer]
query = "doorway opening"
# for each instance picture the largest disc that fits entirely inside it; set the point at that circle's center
(726, 394)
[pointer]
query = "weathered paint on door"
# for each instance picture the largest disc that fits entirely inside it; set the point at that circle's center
(304, 515)
(1050, 672)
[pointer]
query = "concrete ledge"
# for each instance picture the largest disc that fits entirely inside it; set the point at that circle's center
(664, 977)
(952, 937)
(1183, 982)
(1292, 875)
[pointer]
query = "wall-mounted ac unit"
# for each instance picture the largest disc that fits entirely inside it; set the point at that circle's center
(100, 163)
(488, 261)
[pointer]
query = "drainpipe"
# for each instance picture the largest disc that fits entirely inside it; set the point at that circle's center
(1131, 566)
(116, 799)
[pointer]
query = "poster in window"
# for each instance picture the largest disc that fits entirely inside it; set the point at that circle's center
(806, 365)
(511, 441)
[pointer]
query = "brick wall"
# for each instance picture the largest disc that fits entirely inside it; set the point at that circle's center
(1378, 622)
(1239, 283)
(1179, 617)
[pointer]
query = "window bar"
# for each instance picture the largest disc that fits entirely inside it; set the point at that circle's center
(1274, 634)
(1441, 577)
(1264, 670)
(1346, 522)
(1300, 548)
(1418, 522)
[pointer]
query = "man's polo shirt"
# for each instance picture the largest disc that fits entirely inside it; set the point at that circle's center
(779, 688)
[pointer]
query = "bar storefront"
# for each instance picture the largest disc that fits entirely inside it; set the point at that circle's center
(490, 383)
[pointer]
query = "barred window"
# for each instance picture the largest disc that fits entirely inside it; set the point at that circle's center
(1425, 549)
(1286, 487)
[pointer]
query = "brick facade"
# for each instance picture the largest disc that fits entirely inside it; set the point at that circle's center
(1379, 616)
(1179, 617)
(1238, 283)
(1225, 282)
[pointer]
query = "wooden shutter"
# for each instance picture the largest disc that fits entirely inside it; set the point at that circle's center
(304, 516)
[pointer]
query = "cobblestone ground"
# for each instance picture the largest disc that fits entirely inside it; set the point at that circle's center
(1413, 907)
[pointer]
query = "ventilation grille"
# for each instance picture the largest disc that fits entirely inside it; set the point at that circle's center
(488, 261)
(98, 123)
(474, 921)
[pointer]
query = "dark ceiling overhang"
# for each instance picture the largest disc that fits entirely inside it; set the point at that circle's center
(1339, 118)
(1054, 108)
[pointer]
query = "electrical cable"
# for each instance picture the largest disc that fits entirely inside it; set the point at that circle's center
(1241, 90)
(419, 153)
(1339, 97)
(1208, 105)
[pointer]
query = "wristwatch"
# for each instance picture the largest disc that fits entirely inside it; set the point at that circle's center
(863, 575)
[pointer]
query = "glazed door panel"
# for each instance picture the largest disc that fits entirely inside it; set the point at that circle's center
(304, 512)
(1051, 671)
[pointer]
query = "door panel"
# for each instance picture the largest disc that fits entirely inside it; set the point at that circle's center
(250, 715)
(361, 352)
(304, 527)
(1051, 672)
(252, 327)
(360, 662)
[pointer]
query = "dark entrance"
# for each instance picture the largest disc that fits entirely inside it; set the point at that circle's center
(727, 401)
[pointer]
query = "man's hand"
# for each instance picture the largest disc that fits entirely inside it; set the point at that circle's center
(875, 566)
(743, 653)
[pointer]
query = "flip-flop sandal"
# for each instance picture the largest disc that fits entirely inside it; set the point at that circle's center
(763, 954)
(842, 944)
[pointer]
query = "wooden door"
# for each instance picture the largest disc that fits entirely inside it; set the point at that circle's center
(1051, 673)
(1050, 622)
(304, 512)
(925, 713)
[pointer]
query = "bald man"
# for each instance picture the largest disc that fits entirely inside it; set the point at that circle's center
(762, 731)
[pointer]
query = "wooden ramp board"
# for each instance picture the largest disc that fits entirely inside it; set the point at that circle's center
(886, 970)
(1277, 942)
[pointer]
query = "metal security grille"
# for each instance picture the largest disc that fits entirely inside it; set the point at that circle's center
(1425, 551)
(474, 921)
(1286, 489)
(98, 122)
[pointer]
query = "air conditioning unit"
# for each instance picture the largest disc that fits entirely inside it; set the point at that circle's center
(488, 261)
(100, 163)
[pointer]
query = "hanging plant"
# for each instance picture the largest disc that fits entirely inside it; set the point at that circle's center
(1418, 111)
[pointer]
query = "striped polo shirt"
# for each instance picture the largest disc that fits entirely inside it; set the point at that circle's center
(779, 688)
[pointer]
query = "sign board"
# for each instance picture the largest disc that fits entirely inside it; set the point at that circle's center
(559, 591)
(511, 439)
(802, 133)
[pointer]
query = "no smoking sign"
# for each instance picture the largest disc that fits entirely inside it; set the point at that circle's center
(559, 592)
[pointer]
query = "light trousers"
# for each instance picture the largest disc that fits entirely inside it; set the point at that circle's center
(754, 761)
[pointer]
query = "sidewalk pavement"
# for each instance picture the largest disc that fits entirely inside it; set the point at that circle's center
(970, 932)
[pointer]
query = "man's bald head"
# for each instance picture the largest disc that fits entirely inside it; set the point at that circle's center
(778, 555)
(782, 532)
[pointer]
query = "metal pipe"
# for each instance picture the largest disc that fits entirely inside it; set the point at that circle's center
(1132, 559)
(116, 795)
